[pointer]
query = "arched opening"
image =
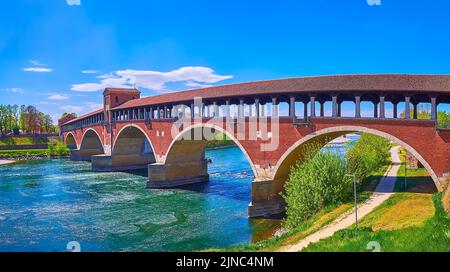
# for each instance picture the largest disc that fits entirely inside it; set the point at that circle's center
(70, 141)
(132, 150)
(321, 138)
(90, 145)
(186, 161)
(91, 142)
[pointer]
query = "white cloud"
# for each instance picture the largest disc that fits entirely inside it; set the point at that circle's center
(13, 90)
(58, 97)
(73, 2)
(89, 72)
(93, 105)
(196, 85)
(36, 62)
(82, 109)
(72, 108)
(37, 70)
(153, 80)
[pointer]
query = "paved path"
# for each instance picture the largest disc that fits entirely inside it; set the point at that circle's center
(382, 193)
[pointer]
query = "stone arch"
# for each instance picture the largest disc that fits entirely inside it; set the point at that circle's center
(323, 136)
(132, 149)
(91, 140)
(70, 141)
(200, 148)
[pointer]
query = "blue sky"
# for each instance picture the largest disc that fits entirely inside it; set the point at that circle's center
(58, 55)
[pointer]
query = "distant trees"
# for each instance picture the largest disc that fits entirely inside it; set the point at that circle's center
(25, 119)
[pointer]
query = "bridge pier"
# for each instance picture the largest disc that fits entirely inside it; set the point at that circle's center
(108, 163)
(266, 199)
(176, 174)
(83, 154)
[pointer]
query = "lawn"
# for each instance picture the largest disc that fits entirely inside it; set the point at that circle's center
(21, 141)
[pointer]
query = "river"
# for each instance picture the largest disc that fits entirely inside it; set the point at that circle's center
(47, 203)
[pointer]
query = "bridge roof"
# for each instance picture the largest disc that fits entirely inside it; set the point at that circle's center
(318, 84)
(84, 116)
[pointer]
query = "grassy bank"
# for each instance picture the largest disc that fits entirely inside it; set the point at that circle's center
(411, 220)
(11, 141)
(54, 150)
(404, 223)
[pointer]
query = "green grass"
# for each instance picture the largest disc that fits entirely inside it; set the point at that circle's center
(20, 141)
(53, 151)
(412, 220)
(433, 235)
(24, 153)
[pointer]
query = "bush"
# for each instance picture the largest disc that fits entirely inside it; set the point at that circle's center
(320, 180)
(58, 149)
(311, 185)
(368, 155)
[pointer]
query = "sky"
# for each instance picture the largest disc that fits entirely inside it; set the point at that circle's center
(59, 55)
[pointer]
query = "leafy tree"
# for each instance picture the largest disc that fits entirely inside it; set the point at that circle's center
(311, 185)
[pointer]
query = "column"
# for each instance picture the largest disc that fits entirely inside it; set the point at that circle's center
(322, 108)
(357, 106)
(216, 109)
(395, 105)
(305, 109)
(375, 110)
(313, 106)
(433, 108)
(339, 106)
(407, 107)
(192, 111)
(241, 109)
(257, 107)
(292, 106)
(227, 106)
(334, 106)
(415, 110)
(274, 107)
(382, 107)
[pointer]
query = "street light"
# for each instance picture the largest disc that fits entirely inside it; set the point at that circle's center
(356, 202)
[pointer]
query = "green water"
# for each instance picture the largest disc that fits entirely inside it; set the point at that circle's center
(45, 204)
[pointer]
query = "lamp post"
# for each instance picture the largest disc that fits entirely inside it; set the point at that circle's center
(356, 202)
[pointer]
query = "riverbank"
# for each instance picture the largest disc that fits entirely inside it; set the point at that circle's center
(4, 162)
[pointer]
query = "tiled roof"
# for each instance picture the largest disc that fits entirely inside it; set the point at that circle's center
(84, 116)
(396, 83)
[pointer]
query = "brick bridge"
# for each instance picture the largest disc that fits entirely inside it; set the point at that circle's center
(270, 121)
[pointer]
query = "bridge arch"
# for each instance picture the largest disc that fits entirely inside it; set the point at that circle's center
(200, 149)
(70, 141)
(133, 148)
(322, 137)
(91, 140)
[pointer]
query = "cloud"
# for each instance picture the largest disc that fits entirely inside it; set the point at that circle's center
(82, 109)
(38, 70)
(36, 62)
(13, 90)
(153, 80)
(72, 108)
(73, 2)
(196, 85)
(89, 72)
(93, 105)
(58, 97)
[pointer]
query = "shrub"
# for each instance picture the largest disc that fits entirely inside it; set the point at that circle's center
(368, 154)
(58, 149)
(311, 185)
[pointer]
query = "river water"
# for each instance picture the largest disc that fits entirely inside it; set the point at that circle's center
(46, 204)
